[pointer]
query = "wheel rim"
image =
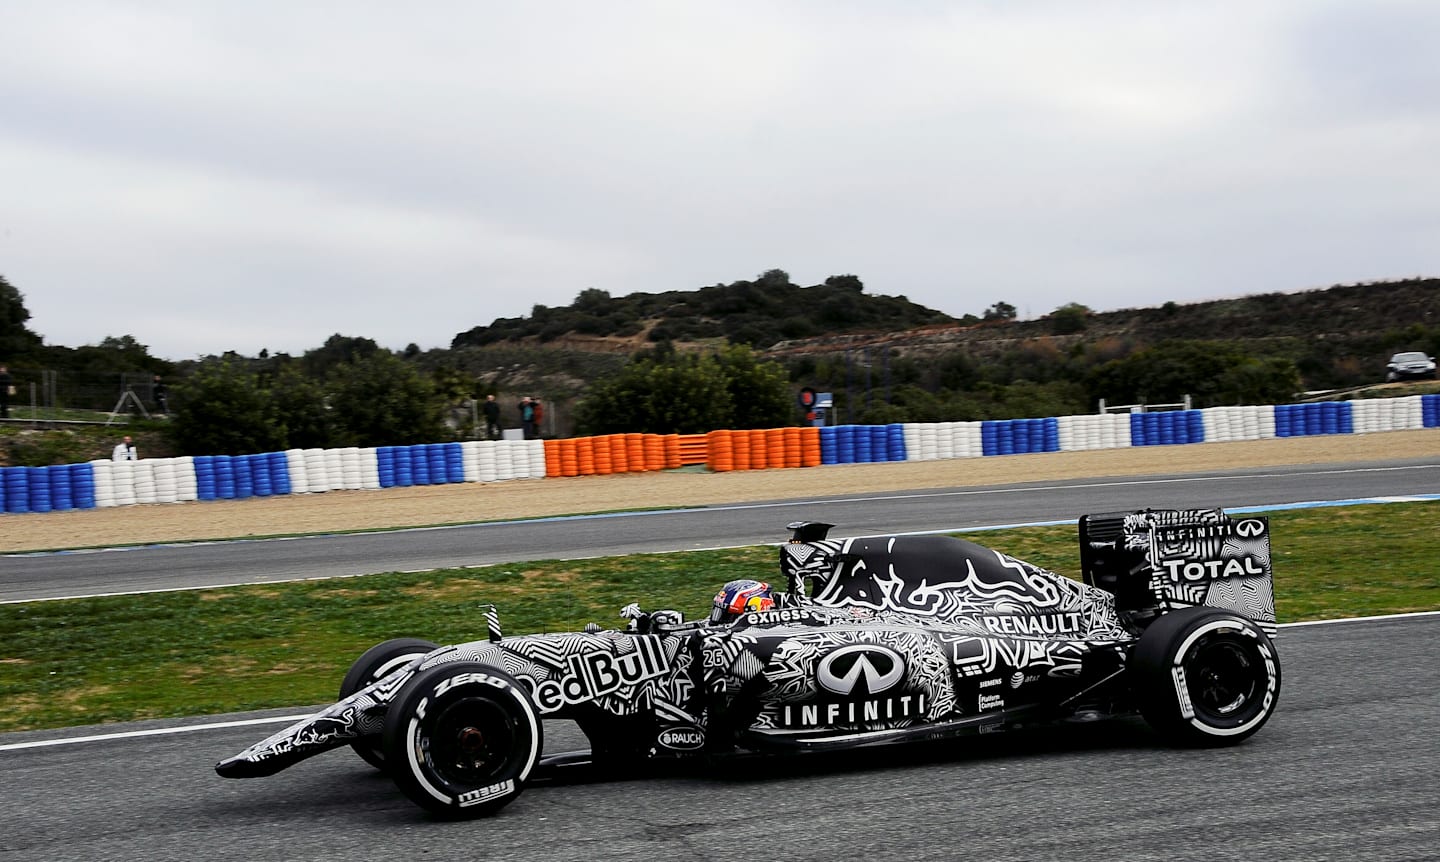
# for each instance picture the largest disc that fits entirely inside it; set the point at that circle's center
(471, 743)
(1224, 678)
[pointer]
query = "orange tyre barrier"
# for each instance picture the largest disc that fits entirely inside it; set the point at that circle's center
(740, 445)
(810, 455)
(553, 467)
(560, 457)
(654, 452)
(563, 452)
(585, 456)
(618, 462)
(775, 447)
(759, 460)
(602, 456)
(792, 446)
(635, 452)
(722, 452)
(672, 452)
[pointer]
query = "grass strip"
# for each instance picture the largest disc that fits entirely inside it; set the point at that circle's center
(202, 652)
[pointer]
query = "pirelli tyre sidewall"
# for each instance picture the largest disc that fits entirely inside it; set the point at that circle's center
(379, 661)
(462, 738)
(1205, 676)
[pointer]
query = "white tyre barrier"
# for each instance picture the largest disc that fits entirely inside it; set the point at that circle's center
(167, 487)
(351, 472)
(945, 440)
(124, 473)
(186, 488)
(295, 469)
(369, 469)
(104, 472)
(143, 475)
(334, 470)
(315, 470)
(487, 461)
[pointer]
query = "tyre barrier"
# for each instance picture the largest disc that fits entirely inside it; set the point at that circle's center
(1239, 423)
(105, 483)
(1304, 420)
(721, 446)
(1167, 429)
(1020, 436)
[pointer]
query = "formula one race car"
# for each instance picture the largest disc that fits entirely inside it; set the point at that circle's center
(875, 640)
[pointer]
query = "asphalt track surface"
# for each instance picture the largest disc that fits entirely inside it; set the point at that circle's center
(1345, 770)
(26, 577)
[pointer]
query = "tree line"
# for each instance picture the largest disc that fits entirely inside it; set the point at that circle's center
(701, 367)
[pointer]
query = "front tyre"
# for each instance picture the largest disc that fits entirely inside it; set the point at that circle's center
(375, 663)
(1206, 676)
(461, 739)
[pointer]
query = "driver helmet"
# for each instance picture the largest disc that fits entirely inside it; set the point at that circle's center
(740, 597)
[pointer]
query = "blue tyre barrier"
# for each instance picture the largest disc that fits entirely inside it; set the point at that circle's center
(83, 478)
(279, 464)
(39, 488)
(454, 462)
(244, 478)
(385, 465)
(62, 497)
(439, 466)
(1282, 420)
(879, 443)
(988, 438)
(404, 475)
(17, 489)
(224, 477)
(895, 442)
(1005, 438)
(1052, 434)
(260, 474)
(419, 465)
(862, 444)
(1169, 428)
(845, 444)
(829, 445)
(205, 477)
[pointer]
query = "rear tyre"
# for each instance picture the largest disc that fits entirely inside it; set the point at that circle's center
(375, 663)
(461, 739)
(1206, 676)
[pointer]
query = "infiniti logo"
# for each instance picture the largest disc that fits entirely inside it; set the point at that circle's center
(860, 669)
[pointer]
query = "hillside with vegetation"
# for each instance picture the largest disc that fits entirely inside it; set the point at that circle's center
(887, 359)
(733, 355)
(754, 313)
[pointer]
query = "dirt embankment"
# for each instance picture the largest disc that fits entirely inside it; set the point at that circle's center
(449, 504)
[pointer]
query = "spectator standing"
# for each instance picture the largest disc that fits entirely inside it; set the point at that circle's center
(7, 386)
(125, 451)
(161, 393)
(527, 417)
(537, 417)
(491, 409)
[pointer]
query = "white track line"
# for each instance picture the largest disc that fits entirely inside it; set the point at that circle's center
(159, 731)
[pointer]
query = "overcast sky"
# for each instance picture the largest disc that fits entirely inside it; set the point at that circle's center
(210, 176)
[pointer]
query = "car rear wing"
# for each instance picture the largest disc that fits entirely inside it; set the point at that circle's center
(1157, 560)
